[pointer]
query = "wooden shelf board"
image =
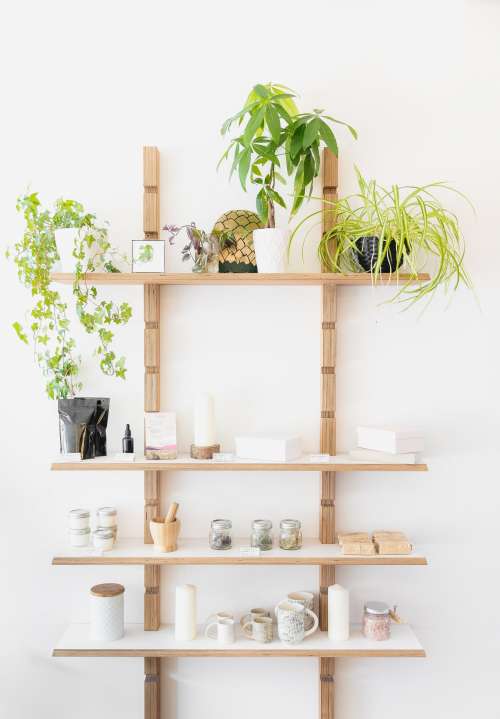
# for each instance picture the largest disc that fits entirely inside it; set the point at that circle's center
(340, 463)
(137, 643)
(245, 278)
(197, 551)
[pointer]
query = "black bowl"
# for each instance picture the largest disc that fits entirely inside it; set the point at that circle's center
(367, 252)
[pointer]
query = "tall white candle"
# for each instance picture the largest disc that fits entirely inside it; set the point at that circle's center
(185, 612)
(204, 421)
(338, 613)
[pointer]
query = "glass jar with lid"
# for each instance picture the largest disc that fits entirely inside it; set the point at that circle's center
(376, 621)
(107, 517)
(261, 536)
(290, 534)
(104, 539)
(220, 536)
(79, 537)
(78, 518)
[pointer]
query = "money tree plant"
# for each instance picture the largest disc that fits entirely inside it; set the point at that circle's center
(271, 138)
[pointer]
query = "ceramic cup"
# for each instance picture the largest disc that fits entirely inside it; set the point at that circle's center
(212, 621)
(224, 630)
(291, 622)
(305, 599)
(252, 614)
(164, 535)
(260, 629)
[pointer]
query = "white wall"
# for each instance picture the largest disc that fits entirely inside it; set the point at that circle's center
(85, 85)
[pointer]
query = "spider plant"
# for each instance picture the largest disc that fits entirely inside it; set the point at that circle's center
(409, 223)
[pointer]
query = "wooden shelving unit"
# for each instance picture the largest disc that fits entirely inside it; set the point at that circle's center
(75, 642)
(197, 551)
(185, 463)
(226, 278)
(153, 641)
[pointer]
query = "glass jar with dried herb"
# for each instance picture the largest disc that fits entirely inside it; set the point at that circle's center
(220, 536)
(290, 534)
(261, 536)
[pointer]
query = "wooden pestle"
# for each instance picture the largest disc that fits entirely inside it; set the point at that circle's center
(172, 511)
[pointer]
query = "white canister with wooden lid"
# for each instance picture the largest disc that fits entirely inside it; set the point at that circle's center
(106, 612)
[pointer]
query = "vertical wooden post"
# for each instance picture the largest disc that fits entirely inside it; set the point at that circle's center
(151, 225)
(327, 437)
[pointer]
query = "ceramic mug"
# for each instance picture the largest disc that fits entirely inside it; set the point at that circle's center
(260, 629)
(224, 628)
(164, 535)
(305, 599)
(291, 622)
(252, 614)
(212, 621)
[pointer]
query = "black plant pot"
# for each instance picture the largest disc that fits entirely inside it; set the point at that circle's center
(367, 252)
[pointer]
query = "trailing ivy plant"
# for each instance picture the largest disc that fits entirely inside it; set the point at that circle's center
(35, 256)
(271, 131)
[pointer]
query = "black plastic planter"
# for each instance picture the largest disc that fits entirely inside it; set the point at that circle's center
(367, 252)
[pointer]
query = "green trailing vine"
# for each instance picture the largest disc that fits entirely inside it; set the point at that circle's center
(35, 256)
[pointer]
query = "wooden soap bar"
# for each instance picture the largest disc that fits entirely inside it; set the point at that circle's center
(393, 547)
(354, 537)
(385, 536)
(363, 549)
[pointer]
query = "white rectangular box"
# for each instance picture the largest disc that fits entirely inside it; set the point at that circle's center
(268, 448)
(372, 455)
(384, 439)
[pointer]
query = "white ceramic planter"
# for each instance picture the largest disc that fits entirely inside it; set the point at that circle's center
(65, 241)
(271, 249)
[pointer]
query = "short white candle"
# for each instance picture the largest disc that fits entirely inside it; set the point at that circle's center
(185, 612)
(338, 613)
(204, 421)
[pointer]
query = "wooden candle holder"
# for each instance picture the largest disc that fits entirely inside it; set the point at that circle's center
(204, 452)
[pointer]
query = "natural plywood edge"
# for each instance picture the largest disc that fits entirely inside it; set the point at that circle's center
(138, 643)
(227, 278)
(197, 552)
(236, 653)
(236, 466)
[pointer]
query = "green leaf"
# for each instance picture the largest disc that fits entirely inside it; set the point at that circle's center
(253, 124)
(273, 122)
(310, 133)
(19, 332)
(244, 166)
(296, 143)
(262, 206)
(276, 197)
(328, 137)
(262, 91)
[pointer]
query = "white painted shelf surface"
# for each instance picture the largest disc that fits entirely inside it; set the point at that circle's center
(75, 642)
(197, 551)
(339, 463)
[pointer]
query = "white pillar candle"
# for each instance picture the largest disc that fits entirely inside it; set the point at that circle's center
(185, 612)
(338, 613)
(204, 421)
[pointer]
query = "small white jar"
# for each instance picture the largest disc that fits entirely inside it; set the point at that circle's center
(106, 517)
(106, 612)
(104, 539)
(79, 537)
(78, 518)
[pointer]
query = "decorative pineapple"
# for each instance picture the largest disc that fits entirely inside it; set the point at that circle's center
(237, 226)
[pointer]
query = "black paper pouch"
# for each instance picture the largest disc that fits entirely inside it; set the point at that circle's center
(82, 426)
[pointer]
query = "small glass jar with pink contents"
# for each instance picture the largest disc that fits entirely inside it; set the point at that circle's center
(376, 621)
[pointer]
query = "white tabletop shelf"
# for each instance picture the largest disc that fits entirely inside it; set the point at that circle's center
(197, 551)
(75, 642)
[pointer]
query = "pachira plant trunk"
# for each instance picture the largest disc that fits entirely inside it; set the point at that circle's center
(271, 217)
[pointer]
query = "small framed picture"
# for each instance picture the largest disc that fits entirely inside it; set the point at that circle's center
(148, 255)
